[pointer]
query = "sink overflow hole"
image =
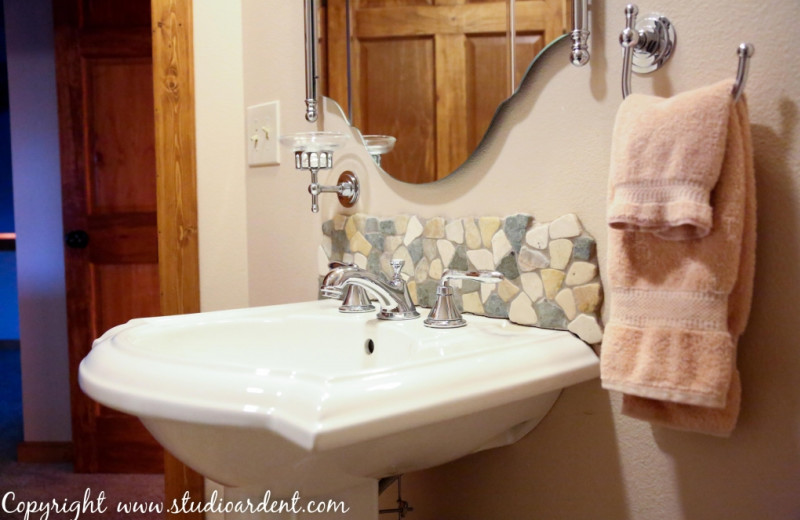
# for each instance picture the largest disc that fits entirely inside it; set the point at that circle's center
(369, 346)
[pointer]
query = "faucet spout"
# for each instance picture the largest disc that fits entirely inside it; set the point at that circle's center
(392, 294)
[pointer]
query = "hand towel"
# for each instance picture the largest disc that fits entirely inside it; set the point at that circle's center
(681, 257)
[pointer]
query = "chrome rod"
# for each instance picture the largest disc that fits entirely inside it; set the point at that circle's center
(580, 33)
(312, 76)
(512, 46)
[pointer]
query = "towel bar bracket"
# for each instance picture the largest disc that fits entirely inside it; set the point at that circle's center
(647, 44)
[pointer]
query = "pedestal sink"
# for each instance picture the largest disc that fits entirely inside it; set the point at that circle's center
(300, 398)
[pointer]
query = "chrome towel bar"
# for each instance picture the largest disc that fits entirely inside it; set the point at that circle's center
(650, 43)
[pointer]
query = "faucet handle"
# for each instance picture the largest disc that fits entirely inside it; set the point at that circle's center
(478, 276)
(397, 266)
(445, 314)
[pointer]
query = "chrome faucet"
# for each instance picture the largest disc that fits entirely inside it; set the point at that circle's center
(392, 294)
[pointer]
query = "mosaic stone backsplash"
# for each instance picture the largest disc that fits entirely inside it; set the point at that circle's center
(551, 274)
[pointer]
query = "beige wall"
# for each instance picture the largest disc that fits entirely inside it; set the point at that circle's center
(584, 460)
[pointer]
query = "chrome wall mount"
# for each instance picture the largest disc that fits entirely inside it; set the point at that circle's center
(580, 33)
(647, 45)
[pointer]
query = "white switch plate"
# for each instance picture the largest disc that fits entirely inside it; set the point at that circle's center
(263, 129)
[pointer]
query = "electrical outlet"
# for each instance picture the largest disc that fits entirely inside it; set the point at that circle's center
(263, 130)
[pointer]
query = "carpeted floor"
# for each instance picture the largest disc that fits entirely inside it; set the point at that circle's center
(55, 485)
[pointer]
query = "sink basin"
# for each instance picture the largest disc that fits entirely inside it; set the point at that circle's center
(300, 397)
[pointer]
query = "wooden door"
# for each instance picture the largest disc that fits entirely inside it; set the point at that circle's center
(106, 123)
(431, 72)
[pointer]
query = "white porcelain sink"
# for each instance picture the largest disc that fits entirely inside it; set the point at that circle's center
(303, 398)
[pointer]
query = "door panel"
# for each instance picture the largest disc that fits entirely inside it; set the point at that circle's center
(106, 126)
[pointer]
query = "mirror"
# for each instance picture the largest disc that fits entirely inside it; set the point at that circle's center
(429, 72)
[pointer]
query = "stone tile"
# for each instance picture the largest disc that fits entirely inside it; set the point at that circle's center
(391, 243)
(472, 235)
(415, 249)
(387, 227)
(500, 246)
(538, 236)
(551, 316)
(446, 251)
(376, 240)
(454, 231)
(360, 221)
(459, 261)
(434, 228)
(532, 285)
(586, 328)
(481, 259)
(521, 311)
(359, 244)
(584, 248)
(467, 286)
(436, 269)
(400, 224)
(588, 297)
(531, 259)
(340, 242)
(371, 225)
(515, 227)
(560, 253)
(350, 228)
(374, 261)
(429, 248)
(339, 222)
(426, 294)
(413, 230)
(566, 300)
(566, 226)
(488, 227)
(552, 280)
(348, 258)
(486, 291)
(421, 270)
(508, 266)
(472, 303)
(360, 260)
(580, 273)
(506, 290)
(495, 307)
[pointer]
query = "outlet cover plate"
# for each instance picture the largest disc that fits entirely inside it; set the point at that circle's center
(263, 130)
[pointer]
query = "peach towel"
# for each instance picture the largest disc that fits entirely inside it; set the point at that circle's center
(682, 214)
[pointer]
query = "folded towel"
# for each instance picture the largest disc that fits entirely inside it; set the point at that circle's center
(667, 156)
(681, 258)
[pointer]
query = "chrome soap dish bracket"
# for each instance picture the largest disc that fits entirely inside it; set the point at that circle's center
(649, 43)
(313, 151)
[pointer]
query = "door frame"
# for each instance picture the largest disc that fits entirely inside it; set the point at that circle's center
(176, 184)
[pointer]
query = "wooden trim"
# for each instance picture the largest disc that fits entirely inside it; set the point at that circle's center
(45, 452)
(173, 86)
